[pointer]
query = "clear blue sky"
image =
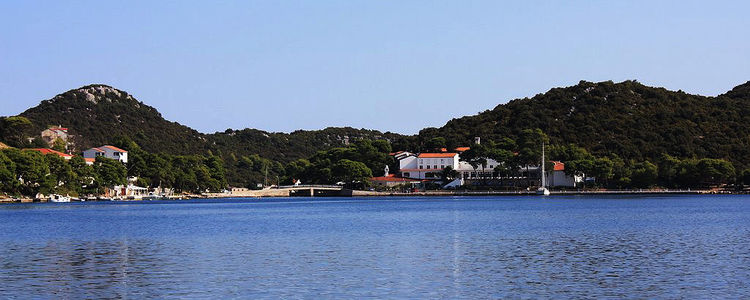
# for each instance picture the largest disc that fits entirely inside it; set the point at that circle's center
(388, 65)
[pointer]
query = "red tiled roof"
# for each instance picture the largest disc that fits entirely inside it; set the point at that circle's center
(457, 149)
(50, 151)
(113, 148)
(59, 128)
(559, 166)
(96, 149)
(89, 159)
(437, 155)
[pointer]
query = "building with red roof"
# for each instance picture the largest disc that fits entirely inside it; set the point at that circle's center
(107, 151)
(50, 151)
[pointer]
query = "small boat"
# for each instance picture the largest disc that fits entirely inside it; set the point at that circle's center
(543, 191)
(58, 198)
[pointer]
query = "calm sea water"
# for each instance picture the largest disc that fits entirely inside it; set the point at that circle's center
(465, 247)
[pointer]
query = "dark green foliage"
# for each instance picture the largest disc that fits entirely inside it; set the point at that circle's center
(110, 172)
(13, 130)
(617, 128)
(99, 114)
(352, 173)
(644, 175)
(347, 164)
(628, 119)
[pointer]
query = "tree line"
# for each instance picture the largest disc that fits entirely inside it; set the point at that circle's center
(28, 172)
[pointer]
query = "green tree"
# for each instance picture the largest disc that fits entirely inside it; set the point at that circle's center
(85, 179)
(8, 179)
(61, 178)
(644, 175)
(59, 145)
(14, 130)
(352, 173)
(31, 169)
(110, 172)
(435, 144)
(715, 171)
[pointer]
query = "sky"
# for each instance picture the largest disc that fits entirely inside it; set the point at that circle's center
(394, 66)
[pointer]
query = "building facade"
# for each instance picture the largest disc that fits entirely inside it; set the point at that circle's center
(107, 151)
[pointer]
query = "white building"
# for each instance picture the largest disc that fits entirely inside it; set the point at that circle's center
(429, 166)
(107, 151)
(558, 178)
(425, 165)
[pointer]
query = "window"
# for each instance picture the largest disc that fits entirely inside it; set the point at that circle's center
(406, 174)
(442, 166)
(421, 166)
(435, 166)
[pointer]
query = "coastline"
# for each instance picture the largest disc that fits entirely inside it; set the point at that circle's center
(280, 193)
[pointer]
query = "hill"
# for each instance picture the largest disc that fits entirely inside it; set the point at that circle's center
(97, 114)
(629, 119)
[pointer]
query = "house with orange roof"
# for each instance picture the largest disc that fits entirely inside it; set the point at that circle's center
(107, 151)
(53, 152)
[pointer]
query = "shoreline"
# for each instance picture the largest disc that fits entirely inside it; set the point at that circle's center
(376, 194)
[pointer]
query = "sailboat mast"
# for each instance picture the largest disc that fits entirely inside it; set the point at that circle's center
(544, 181)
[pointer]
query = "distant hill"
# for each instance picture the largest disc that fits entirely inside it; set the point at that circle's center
(627, 118)
(96, 114)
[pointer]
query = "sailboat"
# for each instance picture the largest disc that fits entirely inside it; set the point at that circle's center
(542, 190)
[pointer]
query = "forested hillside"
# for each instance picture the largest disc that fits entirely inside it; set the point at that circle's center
(100, 114)
(629, 119)
(630, 123)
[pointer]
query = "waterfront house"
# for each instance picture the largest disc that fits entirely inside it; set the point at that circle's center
(51, 134)
(107, 151)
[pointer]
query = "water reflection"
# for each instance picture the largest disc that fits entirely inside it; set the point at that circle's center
(84, 269)
(467, 248)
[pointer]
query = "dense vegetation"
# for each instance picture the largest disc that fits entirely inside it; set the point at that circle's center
(624, 134)
(97, 114)
(628, 119)
(27, 172)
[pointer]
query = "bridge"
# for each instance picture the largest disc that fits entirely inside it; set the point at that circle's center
(314, 190)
